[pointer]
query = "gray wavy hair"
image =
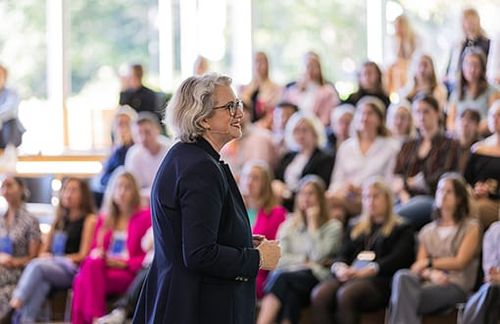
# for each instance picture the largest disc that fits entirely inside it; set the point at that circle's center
(192, 103)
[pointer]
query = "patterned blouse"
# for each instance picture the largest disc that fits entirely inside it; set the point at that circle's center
(24, 230)
(442, 157)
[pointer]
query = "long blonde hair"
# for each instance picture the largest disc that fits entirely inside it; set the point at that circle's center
(318, 184)
(267, 199)
(111, 208)
(391, 220)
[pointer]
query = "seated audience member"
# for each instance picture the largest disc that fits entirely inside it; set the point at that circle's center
(483, 171)
(420, 163)
(309, 240)
(399, 121)
(125, 305)
(369, 84)
(68, 243)
(261, 94)
(19, 240)
(281, 114)
(473, 35)
(138, 96)
(424, 81)
(145, 156)
(255, 143)
(467, 134)
(116, 256)
(265, 214)
(484, 305)
(340, 126)
(447, 258)
(372, 251)
(123, 140)
(473, 91)
(371, 152)
(305, 138)
(311, 92)
(11, 129)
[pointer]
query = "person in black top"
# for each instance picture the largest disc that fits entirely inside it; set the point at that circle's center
(483, 171)
(67, 245)
(136, 95)
(373, 250)
(369, 84)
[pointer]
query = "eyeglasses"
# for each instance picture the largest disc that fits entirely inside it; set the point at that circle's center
(232, 107)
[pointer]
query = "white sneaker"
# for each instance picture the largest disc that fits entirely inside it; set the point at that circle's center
(117, 316)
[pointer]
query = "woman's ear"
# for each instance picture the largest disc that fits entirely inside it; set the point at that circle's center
(205, 124)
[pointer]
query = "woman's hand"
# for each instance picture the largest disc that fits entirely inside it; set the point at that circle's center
(365, 272)
(46, 255)
(97, 253)
(116, 263)
(5, 260)
(312, 215)
(270, 253)
(344, 274)
(493, 275)
(257, 239)
(439, 277)
(419, 266)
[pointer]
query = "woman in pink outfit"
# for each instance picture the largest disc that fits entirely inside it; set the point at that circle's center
(262, 207)
(116, 254)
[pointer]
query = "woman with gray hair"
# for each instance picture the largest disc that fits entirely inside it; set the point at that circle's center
(205, 261)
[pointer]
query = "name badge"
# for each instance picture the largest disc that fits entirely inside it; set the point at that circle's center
(363, 259)
(118, 245)
(59, 243)
(6, 245)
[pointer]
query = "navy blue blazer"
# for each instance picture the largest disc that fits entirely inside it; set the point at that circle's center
(205, 265)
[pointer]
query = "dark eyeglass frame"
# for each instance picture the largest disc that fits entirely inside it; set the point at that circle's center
(232, 107)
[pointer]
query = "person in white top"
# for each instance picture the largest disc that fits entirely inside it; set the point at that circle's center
(145, 156)
(370, 153)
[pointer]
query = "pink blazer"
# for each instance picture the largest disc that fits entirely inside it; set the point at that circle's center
(138, 224)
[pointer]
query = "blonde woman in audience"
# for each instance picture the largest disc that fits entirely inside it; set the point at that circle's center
(309, 240)
(19, 240)
(68, 243)
(484, 305)
(305, 138)
(473, 90)
(264, 212)
(311, 92)
(370, 152)
(372, 251)
(406, 44)
(473, 35)
(424, 81)
(421, 161)
(447, 259)
(116, 256)
(399, 121)
(261, 94)
(483, 170)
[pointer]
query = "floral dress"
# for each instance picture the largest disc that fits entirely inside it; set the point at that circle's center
(21, 233)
